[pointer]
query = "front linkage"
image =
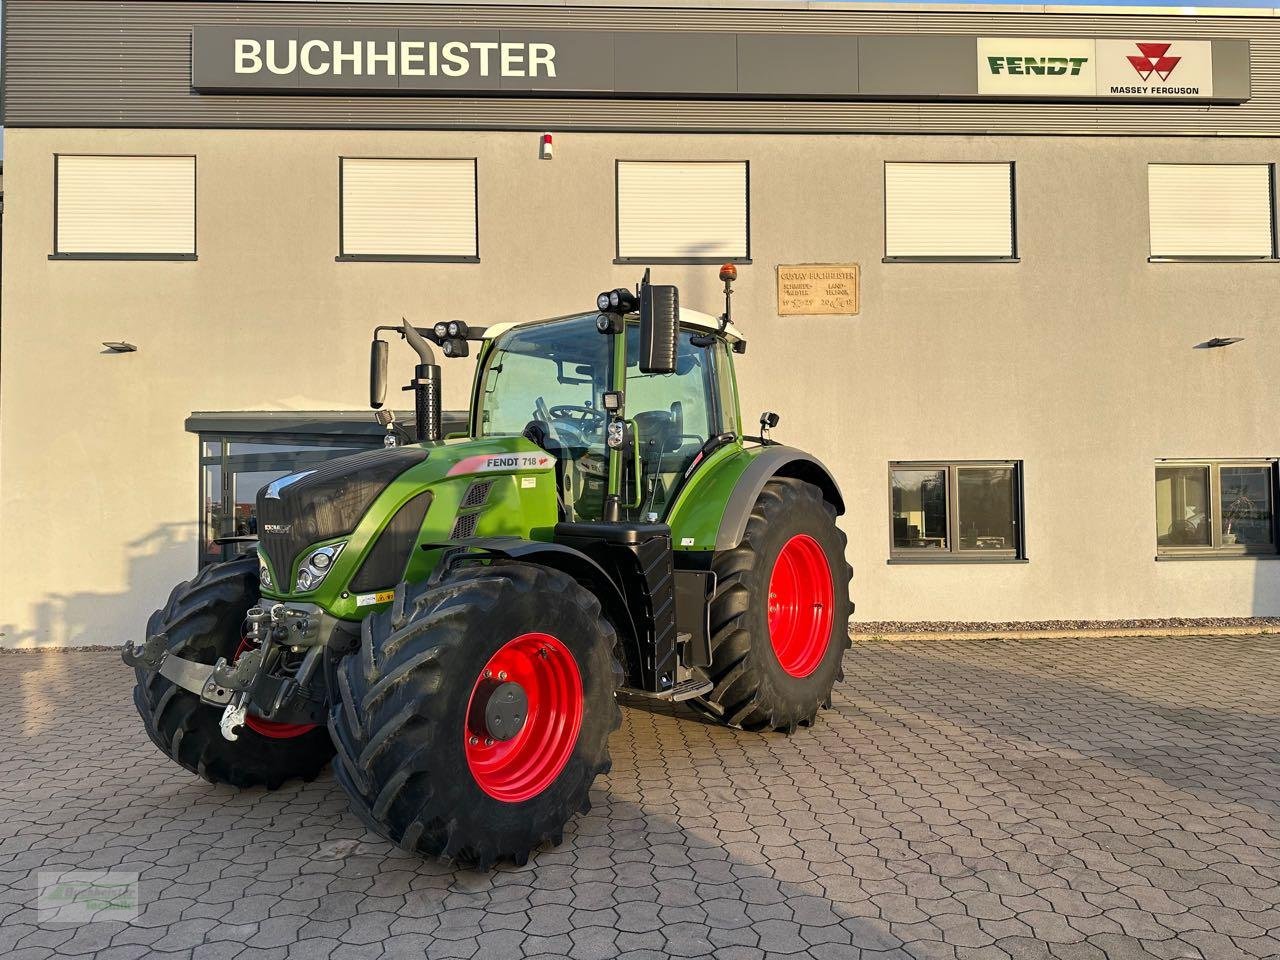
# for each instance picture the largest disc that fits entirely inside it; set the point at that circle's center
(276, 673)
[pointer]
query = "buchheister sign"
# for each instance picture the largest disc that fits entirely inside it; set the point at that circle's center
(516, 61)
(1043, 67)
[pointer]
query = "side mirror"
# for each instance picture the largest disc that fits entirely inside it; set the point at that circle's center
(659, 325)
(378, 373)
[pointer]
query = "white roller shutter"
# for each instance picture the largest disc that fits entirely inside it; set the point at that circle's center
(947, 210)
(1210, 209)
(127, 206)
(409, 208)
(682, 210)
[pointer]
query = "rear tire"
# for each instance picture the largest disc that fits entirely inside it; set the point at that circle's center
(412, 752)
(774, 670)
(203, 620)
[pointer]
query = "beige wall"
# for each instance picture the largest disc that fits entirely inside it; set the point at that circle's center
(1079, 360)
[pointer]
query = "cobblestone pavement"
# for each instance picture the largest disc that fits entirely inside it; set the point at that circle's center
(1062, 799)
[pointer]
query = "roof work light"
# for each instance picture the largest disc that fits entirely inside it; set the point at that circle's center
(620, 301)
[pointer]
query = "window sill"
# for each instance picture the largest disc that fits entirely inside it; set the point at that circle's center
(676, 261)
(952, 559)
(173, 257)
(1162, 557)
(399, 258)
(950, 259)
(1212, 260)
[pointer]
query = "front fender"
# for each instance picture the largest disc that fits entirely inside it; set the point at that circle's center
(577, 565)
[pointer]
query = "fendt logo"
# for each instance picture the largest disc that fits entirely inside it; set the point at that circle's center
(1154, 58)
(1037, 66)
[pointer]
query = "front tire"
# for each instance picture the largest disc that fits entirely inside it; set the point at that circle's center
(780, 614)
(203, 620)
(418, 754)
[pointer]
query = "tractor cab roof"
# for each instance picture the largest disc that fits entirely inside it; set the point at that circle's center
(688, 317)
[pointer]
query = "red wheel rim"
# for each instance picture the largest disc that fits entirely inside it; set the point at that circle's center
(801, 604)
(272, 728)
(522, 767)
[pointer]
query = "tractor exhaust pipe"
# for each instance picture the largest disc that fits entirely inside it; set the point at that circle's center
(426, 387)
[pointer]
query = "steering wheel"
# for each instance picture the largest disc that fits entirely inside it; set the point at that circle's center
(577, 414)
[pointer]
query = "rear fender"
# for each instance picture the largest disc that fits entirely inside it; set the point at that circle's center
(772, 461)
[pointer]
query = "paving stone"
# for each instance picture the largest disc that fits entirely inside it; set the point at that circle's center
(1069, 800)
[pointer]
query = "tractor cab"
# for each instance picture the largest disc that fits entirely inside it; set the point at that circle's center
(550, 382)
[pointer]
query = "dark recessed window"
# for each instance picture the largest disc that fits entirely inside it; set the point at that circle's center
(1215, 508)
(956, 511)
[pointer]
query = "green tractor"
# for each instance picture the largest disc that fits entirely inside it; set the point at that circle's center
(452, 620)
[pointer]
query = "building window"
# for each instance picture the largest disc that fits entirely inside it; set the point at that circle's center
(949, 211)
(956, 511)
(1215, 508)
(683, 212)
(417, 210)
(124, 208)
(1211, 211)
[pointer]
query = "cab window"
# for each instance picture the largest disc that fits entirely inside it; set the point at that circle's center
(674, 414)
(546, 381)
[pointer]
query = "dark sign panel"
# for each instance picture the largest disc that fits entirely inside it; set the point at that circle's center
(253, 58)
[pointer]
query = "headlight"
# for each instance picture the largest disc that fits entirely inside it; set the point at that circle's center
(264, 574)
(602, 301)
(316, 567)
(441, 330)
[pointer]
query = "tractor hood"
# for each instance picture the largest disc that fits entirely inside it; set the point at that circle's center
(371, 512)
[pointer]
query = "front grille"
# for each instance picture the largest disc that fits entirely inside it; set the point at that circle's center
(477, 494)
(465, 526)
(324, 503)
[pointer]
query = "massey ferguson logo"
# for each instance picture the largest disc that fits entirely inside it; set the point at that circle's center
(1192, 67)
(1154, 58)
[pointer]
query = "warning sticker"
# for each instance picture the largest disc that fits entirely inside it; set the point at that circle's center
(502, 463)
(369, 599)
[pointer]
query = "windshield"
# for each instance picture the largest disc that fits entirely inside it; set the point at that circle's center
(546, 380)
(534, 370)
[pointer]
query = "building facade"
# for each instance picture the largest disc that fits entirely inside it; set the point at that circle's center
(1048, 393)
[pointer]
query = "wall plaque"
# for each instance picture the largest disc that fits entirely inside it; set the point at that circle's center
(810, 289)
